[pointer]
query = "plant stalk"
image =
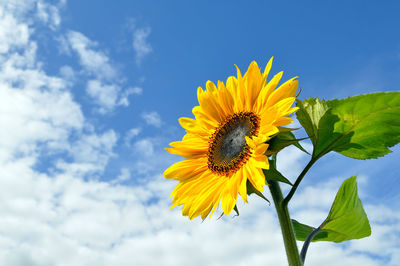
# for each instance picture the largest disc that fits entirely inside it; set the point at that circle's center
(297, 182)
(285, 222)
(307, 243)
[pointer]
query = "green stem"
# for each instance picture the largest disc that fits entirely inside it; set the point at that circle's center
(314, 158)
(297, 182)
(307, 243)
(289, 238)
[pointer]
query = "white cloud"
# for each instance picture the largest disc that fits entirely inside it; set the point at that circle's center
(39, 116)
(134, 90)
(12, 33)
(33, 116)
(152, 118)
(49, 14)
(32, 11)
(109, 96)
(150, 156)
(140, 44)
(95, 62)
(144, 147)
(91, 151)
(133, 132)
(68, 74)
(35, 108)
(94, 222)
(123, 176)
(130, 91)
(19, 8)
(295, 158)
(105, 89)
(63, 45)
(105, 96)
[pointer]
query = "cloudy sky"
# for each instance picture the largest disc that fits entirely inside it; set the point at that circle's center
(90, 94)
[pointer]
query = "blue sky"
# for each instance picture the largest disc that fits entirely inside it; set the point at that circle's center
(90, 94)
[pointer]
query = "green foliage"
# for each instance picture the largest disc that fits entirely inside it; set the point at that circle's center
(236, 210)
(282, 140)
(310, 114)
(346, 220)
(303, 231)
(252, 190)
(273, 174)
(360, 127)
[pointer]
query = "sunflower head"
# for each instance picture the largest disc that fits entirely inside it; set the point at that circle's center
(225, 145)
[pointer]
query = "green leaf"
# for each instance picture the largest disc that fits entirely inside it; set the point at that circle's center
(360, 127)
(368, 124)
(310, 114)
(273, 174)
(347, 217)
(346, 220)
(282, 140)
(302, 231)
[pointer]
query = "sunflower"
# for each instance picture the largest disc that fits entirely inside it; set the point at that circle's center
(224, 146)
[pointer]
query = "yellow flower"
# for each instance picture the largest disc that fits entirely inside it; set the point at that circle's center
(224, 145)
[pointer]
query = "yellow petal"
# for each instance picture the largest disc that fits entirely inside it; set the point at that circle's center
(266, 71)
(283, 121)
(186, 169)
(188, 153)
(191, 187)
(228, 202)
(208, 105)
(250, 142)
(205, 201)
(255, 176)
(243, 187)
(261, 148)
(261, 161)
(193, 126)
(216, 200)
(287, 89)
(204, 119)
(253, 80)
(225, 99)
(240, 92)
(284, 105)
(198, 144)
(231, 85)
(267, 90)
(211, 88)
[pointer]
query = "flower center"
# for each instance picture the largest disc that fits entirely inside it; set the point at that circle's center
(227, 150)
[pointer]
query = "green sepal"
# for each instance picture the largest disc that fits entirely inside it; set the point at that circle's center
(346, 220)
(236, 210)
(273, 174)
(252, 190)
(282, 140)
